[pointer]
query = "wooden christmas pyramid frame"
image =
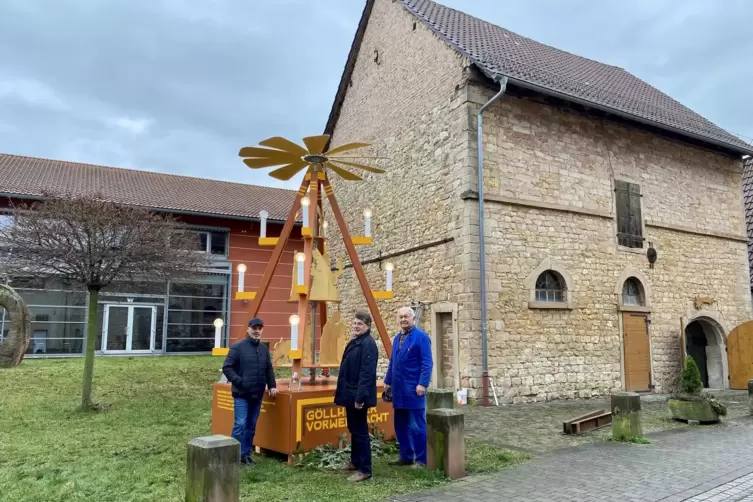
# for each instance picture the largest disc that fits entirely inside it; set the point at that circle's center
(314, 288)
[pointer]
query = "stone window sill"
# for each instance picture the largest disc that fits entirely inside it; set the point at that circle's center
(635, 308)
(631, 250)
(550, 305)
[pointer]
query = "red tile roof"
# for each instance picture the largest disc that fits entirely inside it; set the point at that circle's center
(31, 177)
(499, 52)
(748, 197)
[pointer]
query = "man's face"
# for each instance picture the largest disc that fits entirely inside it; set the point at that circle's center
(255, 332)
(358, 327)
(406, 319)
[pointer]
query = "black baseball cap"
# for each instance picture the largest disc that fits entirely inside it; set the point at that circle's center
(255, 322)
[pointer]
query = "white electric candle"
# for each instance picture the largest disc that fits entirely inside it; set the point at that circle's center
(325, 225)
(294, 320)
(263, 231)
(367, 223)
(241, 271)
(300, 258)
(218, 332)
(305, 211)
(389, 267)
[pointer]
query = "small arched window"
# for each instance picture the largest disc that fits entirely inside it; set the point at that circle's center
(632, 293)
(550, 288)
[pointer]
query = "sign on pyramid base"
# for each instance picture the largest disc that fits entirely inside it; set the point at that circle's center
(297, 421)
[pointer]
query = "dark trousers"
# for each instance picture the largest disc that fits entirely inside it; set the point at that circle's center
(360, 442)
(246, 413)
(410, 429)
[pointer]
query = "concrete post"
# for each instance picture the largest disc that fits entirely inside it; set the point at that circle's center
(750, 395)
(212, 469)
(445, 438)
(626, 416)
(439, 398)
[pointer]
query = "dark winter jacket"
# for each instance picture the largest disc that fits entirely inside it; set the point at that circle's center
(248, 366)
(356, 381)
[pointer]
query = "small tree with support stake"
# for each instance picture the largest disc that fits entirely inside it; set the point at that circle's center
(92, 243)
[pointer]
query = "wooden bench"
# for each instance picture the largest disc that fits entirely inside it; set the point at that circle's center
(588, 422)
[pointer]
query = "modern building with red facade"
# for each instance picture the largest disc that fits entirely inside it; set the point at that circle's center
(158, 318)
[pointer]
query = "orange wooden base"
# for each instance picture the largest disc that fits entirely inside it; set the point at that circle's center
(308, 416)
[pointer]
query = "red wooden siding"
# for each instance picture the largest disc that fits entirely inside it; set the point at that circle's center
(275, 309)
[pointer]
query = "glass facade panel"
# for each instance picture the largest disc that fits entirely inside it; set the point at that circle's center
(192, 310)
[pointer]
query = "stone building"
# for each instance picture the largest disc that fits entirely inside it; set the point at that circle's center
(585, 168)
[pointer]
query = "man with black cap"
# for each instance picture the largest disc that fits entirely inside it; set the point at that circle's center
(248, 367)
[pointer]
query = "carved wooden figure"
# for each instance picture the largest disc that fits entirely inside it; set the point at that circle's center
(324, 283)
(333, 341)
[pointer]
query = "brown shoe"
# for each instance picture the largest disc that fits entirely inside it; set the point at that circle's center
(359, 476)
(401, 461)
(349, 467)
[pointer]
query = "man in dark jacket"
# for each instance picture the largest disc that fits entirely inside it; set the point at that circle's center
(356, 391)
(248, 367)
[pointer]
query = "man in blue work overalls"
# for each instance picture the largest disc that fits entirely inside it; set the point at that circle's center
(408, 376)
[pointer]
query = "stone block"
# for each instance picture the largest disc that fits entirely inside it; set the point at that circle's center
(439, 398)
(445, 437)
(212, 474)
(750, 395)
(626, 416)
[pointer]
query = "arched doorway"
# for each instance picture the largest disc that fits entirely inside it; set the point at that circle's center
(705, 343)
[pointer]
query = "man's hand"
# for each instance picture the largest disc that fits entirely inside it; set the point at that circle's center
(359, 406)
(420, 390)
(273, 392)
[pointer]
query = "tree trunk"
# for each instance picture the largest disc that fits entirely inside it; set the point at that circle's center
(91, 341)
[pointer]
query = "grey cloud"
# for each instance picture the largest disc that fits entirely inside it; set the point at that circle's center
(179, 86)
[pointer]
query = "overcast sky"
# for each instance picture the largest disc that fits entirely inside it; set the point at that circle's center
(179, 86)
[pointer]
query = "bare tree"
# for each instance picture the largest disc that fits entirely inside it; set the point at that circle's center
(93, 243)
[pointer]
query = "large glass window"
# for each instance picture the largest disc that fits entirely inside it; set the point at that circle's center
(192, 309)
(208, 242)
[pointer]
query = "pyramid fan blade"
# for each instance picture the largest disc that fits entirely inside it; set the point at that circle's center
(266, 153)
(285, 145)
(355, 157)
(360, 166)
(346, 175)
(316, 144)
(257, 163)
(346, 147)
(286, 172)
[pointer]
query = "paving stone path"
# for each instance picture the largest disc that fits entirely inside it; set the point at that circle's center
(679, 465)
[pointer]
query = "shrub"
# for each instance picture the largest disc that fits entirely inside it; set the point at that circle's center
(690, 381)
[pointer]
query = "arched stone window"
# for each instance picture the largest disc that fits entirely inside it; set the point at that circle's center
(632, 293)
(550, 286)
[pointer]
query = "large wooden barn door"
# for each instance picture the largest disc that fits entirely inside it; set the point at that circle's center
(740, 355)
(637, 352)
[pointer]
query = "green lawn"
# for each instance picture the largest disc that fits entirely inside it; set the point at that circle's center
(134, 448)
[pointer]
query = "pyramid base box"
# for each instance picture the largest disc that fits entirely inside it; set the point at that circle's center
(308, 416)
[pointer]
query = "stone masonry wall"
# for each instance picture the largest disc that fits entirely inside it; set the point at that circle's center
(540, 154)
(407, 105)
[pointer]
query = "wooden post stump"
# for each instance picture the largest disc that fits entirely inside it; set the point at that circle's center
(213, 465)
(445, 437)
(440, 398)
(750, 395)
(626, 416)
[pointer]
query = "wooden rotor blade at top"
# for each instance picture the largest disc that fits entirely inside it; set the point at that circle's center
(286, 172)
(268, 153)
(346, 147)
(346, 175)
(258, 163)
(359, 166)
(285, 145)
(316, 144)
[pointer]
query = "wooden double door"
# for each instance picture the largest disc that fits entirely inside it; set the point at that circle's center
(637, 352)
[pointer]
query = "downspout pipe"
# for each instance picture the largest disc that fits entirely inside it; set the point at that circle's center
(481, 248)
